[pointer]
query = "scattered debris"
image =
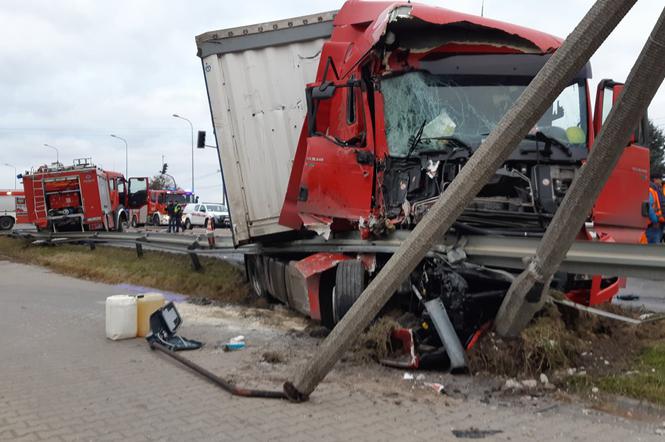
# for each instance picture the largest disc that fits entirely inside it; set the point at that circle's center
(439, 388)
(273, 357)
(530, 383)
(408, 377)
(512, 384)
(544, 379)
(475, 433)
(317, 331)
(236, 343)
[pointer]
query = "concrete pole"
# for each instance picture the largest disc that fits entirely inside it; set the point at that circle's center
(526, 295)
(566, 62)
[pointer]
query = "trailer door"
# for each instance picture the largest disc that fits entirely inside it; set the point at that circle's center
(619, 210)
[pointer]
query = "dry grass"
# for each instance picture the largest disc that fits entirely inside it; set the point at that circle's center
(617, 357)
(165, 271)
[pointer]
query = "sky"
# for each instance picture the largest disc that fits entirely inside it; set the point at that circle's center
(72, 72)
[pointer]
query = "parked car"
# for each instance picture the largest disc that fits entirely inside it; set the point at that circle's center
(197, 215)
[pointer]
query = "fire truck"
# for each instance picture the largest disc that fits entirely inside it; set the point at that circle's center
(351, 123)
(12, 208)
(77, 197)
(152, 210)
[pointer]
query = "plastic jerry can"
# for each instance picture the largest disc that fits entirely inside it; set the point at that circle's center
(120, 317)
(146, 305)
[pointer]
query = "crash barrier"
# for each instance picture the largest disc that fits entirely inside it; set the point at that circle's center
(583, 257)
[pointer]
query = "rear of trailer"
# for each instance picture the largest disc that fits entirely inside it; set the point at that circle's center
(256, 78)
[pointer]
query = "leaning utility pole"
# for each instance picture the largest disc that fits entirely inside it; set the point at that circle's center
(564, 64)
(527, 293)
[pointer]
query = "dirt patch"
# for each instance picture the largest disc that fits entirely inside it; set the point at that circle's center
(273, 357)
(374, 343)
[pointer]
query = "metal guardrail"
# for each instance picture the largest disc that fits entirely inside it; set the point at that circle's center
(584, 257)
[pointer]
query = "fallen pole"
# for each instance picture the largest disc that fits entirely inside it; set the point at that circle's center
(567, 61)
(526, 294)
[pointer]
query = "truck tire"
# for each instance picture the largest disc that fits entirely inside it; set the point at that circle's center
(6, 223)
(155, 220)
(188, 224)
(122, 223)
(350, 281)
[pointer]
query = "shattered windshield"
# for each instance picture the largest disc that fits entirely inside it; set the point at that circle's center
(465, 109)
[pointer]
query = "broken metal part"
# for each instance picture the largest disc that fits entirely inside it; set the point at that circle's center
(446, 331)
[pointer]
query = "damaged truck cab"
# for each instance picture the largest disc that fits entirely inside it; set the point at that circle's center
(387, 103)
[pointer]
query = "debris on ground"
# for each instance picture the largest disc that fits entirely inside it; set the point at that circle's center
(475, 433)
(235, 343)
(374, 344)
(273, 357)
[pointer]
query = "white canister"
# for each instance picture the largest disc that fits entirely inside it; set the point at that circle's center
(120, 317)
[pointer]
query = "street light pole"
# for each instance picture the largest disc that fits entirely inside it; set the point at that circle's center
(57, 152)
(15, 173)
(126, 155)
(192, 133)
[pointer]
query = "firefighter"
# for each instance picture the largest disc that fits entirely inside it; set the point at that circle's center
(210, 231)
(654, 232)
(177, 214)
(170, 211)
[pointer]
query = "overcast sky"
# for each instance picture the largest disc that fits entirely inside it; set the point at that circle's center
(74, 71)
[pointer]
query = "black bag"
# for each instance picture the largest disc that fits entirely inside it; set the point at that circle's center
(163, 325)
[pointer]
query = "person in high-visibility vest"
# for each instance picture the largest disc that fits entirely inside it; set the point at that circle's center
(654, 232)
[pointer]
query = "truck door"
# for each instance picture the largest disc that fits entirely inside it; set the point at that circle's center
(619, 208)
(138, 193)
(337, 178)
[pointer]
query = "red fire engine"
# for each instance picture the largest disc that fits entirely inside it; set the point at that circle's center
(77, 197)
(149, 205)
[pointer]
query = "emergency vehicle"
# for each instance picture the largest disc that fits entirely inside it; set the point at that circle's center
(77, 197)
(151, 209)
(12, 208)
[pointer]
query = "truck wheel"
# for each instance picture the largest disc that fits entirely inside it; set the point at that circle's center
(349, 284)
(135, 222)
(155, 220)
(122, 223)
(188, 224)
(6, 223)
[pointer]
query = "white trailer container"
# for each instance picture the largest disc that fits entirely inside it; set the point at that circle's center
(256, 78)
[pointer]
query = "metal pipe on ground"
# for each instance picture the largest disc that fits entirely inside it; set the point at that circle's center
(225, 385)
(566, 62)
(526, 294)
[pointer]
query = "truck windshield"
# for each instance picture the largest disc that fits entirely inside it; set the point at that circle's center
(467, 108)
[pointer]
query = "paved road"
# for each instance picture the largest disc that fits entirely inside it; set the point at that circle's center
(62, 380)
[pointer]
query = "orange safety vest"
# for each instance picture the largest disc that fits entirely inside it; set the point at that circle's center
(656, 204)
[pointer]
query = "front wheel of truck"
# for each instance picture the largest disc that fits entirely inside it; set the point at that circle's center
(350, 281)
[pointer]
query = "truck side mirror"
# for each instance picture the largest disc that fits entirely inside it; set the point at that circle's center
(201, 140)
(606, 95)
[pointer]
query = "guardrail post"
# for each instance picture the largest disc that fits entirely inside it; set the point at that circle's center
(526, 295)
(564, 64)
(196, 263)
(92, 245)
(139, 250)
